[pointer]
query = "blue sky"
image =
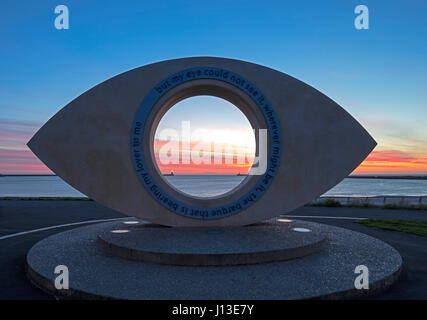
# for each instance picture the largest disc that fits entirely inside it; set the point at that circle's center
(379, 75)
(200, 110)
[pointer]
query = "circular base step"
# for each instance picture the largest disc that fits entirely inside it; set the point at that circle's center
(328, 273)
(259, 243)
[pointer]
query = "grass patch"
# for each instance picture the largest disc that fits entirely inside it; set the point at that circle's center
(407, 226)
(326, 203)
(401, 205)
(404, 205)
(48, 198)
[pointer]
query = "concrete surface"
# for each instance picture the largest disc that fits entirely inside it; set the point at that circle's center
(259, 243)
(328, 273)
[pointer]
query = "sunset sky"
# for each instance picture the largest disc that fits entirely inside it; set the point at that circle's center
(230, 141)
(378, 75)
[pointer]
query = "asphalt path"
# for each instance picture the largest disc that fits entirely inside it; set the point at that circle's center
(23, 223)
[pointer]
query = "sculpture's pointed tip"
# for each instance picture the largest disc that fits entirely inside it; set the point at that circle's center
(372, 142)
(32, 143)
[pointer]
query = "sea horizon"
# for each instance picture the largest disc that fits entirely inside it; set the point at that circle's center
(371, 176)
(49, 185)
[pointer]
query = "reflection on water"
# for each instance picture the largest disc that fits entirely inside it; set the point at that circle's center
(205, 186)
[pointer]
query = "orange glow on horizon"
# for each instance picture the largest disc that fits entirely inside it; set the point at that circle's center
(16, 159)
(392, 162)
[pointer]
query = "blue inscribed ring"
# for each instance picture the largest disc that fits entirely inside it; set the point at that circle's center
(140, 159)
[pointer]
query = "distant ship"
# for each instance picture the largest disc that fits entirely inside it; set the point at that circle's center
(169, 174)
(242, 174)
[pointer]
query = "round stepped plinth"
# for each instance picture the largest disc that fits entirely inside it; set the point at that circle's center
(95, 273)
(258, 243)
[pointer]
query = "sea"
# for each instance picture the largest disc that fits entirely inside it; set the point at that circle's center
(211, 185)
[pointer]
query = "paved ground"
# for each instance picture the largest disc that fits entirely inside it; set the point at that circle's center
(19, 216)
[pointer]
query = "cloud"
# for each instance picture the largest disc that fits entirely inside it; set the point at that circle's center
(16, 132)
(393, 161)
(394, 156)
(15, 157)
(20, 161)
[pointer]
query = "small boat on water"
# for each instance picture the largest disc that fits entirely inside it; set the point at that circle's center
(242, 174)
(169, 174)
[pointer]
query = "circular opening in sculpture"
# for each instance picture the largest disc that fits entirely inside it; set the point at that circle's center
(204, 146)
(249, 100)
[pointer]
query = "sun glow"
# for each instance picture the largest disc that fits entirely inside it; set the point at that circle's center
(192, 143)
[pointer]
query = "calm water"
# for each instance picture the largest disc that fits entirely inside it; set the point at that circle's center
(52, 186)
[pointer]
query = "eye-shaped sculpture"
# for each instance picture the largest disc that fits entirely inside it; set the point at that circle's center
(101, 142)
